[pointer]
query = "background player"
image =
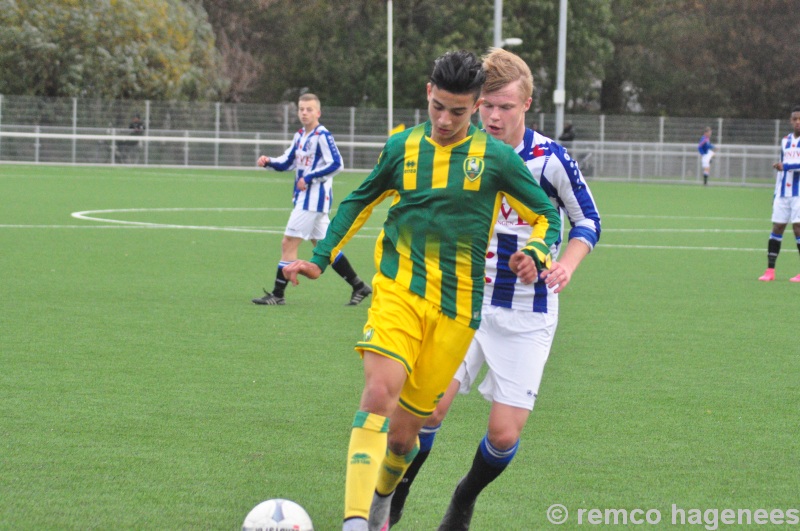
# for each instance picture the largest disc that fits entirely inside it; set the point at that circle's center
(445, 178)
(519, 322)
(786, 202)
(706, 150)
(314, 156)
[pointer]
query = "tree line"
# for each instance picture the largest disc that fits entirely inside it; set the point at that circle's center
(731, 58)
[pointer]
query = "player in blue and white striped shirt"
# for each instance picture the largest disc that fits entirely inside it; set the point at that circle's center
(786, 202)
(519, 320)
(314, 157)
(706, 150)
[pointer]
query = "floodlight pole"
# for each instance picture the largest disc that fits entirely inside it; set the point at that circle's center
(559, 95)
(390, 64)
(499, 41)
(498, 23)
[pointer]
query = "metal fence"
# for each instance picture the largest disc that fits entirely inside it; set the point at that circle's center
(83, 131)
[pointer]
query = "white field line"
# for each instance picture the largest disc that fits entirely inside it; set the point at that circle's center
(699, 218)
(89, 215)
(111, 223)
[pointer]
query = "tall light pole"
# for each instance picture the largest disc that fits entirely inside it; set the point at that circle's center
(499, 41)
(560, 95)
(498, 24)
(390, 66)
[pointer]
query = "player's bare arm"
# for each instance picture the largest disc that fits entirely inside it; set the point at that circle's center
(301, 267)
(561, 271)
(524, 267)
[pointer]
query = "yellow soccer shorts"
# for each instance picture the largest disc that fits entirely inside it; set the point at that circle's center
(414, 332)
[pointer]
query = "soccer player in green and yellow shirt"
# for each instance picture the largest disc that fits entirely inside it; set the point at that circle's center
(446, 180)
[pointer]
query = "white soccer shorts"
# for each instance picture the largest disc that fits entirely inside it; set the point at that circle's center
(786, 210)
(705, 160)
(515, 345)
(307, 225)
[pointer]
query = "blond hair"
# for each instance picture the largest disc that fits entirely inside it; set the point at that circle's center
(310, 97)
(503, 67)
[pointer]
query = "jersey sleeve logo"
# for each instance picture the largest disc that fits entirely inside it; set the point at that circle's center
(473, 168)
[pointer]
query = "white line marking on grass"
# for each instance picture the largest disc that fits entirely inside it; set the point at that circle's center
(91, 215)
(68, 227)
(676, 247)
(719, 231)
(138, 225)
(703, 218)
(88, 215)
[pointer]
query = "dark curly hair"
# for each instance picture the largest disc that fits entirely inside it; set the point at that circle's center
(459, 72)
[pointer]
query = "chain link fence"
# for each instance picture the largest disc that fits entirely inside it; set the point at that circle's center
(208, 134)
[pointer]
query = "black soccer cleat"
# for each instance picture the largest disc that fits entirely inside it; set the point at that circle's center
(270, 300)
(458, 516)
(359, 294)
(398, 502)
(395, 514)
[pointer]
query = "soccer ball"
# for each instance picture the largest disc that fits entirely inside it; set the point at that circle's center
(277, 515)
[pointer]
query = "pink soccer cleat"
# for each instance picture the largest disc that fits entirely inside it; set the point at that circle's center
(795, 279)
(769, 275)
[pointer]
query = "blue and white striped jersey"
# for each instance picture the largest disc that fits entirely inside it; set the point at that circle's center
(705, 145)
(558, 174)
(788, 181)
(316, 160)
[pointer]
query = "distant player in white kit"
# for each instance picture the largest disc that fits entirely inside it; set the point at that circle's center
(519, 321)
(786, 202)
(314, 157)
(706, 150)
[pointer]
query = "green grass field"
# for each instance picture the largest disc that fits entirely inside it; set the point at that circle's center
(141, 389)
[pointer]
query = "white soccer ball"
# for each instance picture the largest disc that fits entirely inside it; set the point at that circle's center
(277, 515)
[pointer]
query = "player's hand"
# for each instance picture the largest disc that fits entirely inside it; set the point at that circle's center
(557, 277)
(778, 166)
(301, 185)
(301, 267)
(262, 161)
(523, 266)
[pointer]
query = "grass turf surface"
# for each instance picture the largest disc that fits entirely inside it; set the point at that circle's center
(142, 390)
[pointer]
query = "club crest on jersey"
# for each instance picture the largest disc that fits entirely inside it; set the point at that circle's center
(368, 334)
(473, 168)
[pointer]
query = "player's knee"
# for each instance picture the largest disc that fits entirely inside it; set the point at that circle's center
(436, 417)
(504, 438)
(378, 399)
(401, 444)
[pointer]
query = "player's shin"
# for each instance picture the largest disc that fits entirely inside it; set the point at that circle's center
(488, 464)
(280, 281)
(773, 249)
(342, 266)
(390, 474)
(426, 438)
(392, 470)
(365, 454)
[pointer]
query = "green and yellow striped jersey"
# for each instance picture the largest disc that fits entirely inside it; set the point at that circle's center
(445, 201)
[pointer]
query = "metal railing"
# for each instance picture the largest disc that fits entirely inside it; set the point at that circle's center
(78, 131)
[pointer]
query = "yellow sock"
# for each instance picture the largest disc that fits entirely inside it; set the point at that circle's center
(393, 469)
(364, 456)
